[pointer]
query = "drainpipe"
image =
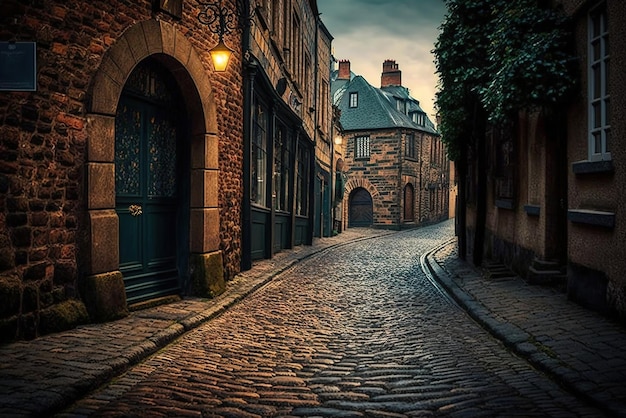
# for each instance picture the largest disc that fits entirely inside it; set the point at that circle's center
(314, 156)
(249, 72)
(400, 190)
(419, 211)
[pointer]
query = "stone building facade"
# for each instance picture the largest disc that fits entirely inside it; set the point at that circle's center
(286, 128)
(134, 171)
(120, 173)
(396, 165)
(554, 203)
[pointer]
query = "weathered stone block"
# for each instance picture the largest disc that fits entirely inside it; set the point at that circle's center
(101, 143)
(63, 316)
(8, 329)
(64, 271)
(104, 296)
(205, 152)
(103, 253)
(100, 185)
(204, 188)
(205, 230)
(9, 295)
(207, 274)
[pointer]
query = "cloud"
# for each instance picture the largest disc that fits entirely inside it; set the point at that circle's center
(367, 32)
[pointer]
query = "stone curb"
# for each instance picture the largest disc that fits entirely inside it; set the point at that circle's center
(516, 339)
(52, 400)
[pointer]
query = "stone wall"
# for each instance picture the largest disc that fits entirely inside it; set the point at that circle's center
(43, 145)
(388, 171)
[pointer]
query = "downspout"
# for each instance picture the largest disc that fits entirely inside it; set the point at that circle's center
(400, 190)
(249, 72)
(419, 207)
(313, 159)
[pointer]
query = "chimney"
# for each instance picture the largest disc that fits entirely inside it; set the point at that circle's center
(344, 70)
(391, 76)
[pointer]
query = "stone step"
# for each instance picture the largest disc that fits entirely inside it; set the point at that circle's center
(494, 271)
(546, 265)
(554, 278)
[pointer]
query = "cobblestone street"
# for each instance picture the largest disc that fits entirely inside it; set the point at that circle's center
(355, 331)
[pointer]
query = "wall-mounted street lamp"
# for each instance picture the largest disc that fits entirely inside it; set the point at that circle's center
(220, 21)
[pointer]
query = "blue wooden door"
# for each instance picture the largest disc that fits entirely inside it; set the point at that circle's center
(147, 197)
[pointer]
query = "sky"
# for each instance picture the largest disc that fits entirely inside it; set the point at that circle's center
(367, 32)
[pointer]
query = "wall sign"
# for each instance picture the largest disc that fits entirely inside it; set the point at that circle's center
(18, 66)
(172, 7)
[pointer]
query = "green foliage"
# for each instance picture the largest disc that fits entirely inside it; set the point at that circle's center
(499, 56)
(529, 59)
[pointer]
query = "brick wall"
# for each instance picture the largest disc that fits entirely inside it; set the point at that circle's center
(43, 140)
(387, 171)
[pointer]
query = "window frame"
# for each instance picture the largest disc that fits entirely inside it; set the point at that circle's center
(353, 100)
(258, 160)
(598, 99)
(362, 147)
(409, 147)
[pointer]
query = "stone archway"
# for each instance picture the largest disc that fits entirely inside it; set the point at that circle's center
(102, 287)
(359, 183)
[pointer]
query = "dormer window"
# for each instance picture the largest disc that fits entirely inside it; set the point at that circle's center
(419, 118)
(401, 105)
(354, 99)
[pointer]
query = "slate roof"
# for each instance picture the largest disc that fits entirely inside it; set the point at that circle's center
(376, 107)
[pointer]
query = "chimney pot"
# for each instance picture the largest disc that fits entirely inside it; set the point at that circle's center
(391, 75)
(344, 70)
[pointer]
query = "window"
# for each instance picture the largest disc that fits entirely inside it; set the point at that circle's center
(401, 105)
(409, 148)
(302, 186)
(308, 82)
(258, 163)
(354, 99)
(599, 103)
(419, 118)
(324, 100)
(362, 147)
(278, 194)
(296, 48)
(275, 17)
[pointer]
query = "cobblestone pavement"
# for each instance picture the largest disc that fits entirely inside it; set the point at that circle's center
(45, 375)
(582, 350)
(356, 331)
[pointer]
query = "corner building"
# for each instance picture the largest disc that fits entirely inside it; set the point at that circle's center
(120, 176)
(397, 172)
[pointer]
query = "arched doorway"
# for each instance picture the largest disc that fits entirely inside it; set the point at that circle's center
(360, 208)
(151, 187)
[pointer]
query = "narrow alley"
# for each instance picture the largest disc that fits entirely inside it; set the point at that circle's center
(355, 331)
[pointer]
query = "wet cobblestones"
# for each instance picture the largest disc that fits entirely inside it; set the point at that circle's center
(355, 331)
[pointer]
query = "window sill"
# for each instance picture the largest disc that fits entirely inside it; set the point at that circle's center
(505, 204)
(532, 210)
(592, 217)
(592, 167)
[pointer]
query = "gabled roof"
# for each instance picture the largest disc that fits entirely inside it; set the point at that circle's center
(376, 107)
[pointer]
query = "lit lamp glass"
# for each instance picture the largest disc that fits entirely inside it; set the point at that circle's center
(338, 140)
(220, 55)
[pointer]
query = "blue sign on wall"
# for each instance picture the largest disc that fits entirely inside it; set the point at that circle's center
(18, 66)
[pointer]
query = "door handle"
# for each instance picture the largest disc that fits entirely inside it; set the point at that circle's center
(135, 210)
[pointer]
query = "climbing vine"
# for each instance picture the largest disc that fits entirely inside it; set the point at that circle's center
(496, 57)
